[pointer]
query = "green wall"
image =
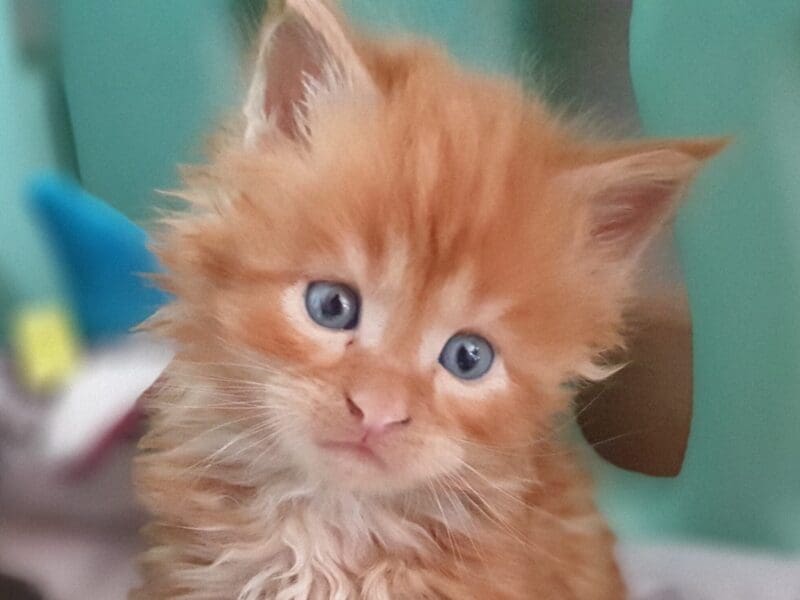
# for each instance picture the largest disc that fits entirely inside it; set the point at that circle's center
(143, 81)
(491, 36)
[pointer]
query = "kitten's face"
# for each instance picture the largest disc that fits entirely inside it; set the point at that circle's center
(424, 371)
(413, 271)
(350, 271)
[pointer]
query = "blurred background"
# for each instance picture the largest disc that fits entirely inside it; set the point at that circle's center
(101, 99)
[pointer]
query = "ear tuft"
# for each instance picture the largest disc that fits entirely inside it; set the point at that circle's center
(304, 57)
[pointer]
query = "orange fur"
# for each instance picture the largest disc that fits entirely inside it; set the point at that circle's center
(450, 202)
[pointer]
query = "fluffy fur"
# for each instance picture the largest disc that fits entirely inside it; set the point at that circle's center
(451, 202)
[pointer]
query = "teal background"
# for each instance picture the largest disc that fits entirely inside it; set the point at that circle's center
(489, 36)
(28, 142)
(731, 67)
(135, 84)
(143, 79)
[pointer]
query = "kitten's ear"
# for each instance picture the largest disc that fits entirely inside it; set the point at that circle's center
(304, 58)
(630, 191)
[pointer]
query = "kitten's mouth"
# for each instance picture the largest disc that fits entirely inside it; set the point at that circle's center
(359, 450)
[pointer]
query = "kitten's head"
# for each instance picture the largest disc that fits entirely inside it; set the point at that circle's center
(396, 267)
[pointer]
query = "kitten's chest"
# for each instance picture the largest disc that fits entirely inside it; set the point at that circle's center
(322, 552)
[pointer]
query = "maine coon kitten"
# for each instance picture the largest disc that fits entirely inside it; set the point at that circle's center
(390, 273)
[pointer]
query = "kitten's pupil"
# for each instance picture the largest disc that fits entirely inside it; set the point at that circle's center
(467, 357)
(334, 306)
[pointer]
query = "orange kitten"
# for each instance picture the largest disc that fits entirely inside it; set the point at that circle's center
(390, 270)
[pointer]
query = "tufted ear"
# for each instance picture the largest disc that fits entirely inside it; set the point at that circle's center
(631, 190)
(640, 418)
(304, 58)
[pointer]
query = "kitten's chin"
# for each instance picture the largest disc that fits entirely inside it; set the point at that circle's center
(354, 467)
(334, 459)
(358, 468)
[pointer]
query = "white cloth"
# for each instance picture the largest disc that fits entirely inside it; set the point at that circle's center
(103, 391)
(686, 572)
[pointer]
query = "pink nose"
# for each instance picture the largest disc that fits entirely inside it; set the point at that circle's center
(378, 411)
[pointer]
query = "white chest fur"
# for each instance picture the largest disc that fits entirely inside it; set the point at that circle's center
(338, 548)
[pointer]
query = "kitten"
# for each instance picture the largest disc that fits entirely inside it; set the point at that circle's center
(390, 274)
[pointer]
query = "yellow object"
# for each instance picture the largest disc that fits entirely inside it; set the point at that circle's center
(46, 347)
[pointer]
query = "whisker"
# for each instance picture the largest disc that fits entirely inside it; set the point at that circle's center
(445, 521)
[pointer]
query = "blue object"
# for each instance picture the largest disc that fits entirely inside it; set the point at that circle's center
(103, 256)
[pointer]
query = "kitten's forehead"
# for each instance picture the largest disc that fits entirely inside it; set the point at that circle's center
(409, 303)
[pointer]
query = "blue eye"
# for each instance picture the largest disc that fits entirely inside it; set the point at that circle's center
(333, 305)
(467, 356)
